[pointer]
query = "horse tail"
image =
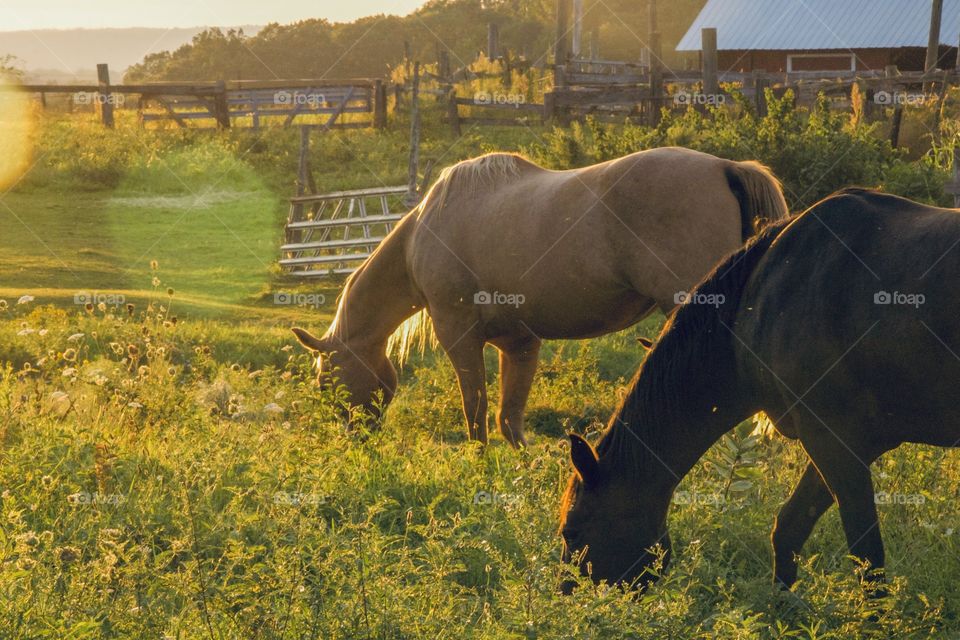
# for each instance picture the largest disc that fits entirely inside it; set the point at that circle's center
(759, 193)
(414, 334)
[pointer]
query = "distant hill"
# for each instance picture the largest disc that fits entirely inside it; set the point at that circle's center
(63, 55)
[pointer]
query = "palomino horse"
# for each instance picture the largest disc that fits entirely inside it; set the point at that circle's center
(842, 325)
(506, 252)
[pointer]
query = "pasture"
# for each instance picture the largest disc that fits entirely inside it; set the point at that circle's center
(171, 470)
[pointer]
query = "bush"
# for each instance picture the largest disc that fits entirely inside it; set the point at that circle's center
(813, 151)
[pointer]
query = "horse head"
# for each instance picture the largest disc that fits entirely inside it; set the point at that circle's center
(366, 375)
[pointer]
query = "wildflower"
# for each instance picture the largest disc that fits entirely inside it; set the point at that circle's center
(154, 265)
(173, 319)
(75, 337)
(42, 332)
(117, 348)
(102, 307)
(172, 371)
(155, 281)
(135, 405)
(100, 380)
(3, 305)
(133, 350)
(143, 371)
(25, 332)
(69, 372)
(235, 367)
(88, 307)
(170, 291)
(46, 481)
(70, 355)
(68, 555)
(25, 299)
(130, 308)
(273, 408)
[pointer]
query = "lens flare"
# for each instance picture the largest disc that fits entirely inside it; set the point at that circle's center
(16, 121)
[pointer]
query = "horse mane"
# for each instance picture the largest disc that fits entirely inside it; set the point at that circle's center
(694, 334)
(483, 171)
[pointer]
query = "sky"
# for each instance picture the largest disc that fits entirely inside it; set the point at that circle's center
(17, 15)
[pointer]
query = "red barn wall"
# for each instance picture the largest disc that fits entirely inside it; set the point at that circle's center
(907, 59)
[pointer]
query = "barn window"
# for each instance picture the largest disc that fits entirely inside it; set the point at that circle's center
(821, 62)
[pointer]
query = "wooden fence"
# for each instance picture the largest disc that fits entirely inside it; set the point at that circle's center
(226, 104)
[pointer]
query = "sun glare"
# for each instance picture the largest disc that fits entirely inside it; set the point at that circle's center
(16, 122)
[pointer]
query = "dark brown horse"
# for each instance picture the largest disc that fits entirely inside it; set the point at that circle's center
(843, 325)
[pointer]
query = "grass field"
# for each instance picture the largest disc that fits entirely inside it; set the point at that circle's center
(172, 472)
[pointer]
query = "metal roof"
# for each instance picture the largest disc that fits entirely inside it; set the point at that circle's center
(821, 24)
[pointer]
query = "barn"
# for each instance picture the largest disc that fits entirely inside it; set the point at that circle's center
(824, 35)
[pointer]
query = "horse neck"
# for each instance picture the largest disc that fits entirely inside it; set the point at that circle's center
(378, 297)
(679, 405)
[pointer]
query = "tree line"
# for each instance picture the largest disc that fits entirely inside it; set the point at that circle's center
(369, 47)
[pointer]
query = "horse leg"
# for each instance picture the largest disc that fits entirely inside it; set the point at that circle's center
(465, 351)
(795, 522)
(847, 475)
(517, 367)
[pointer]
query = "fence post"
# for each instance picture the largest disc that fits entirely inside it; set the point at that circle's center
(933, 42)
(560, 42)
(412, 197)
(708, 46)
(221, 110)
(105, 98)
(760, 86)
(891, 73)
(453, 112)
(656, 68)
(493, 41)
(577, 28)
(379, 104)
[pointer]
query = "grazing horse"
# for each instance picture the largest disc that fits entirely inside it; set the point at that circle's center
(842, 325)
(505, 252)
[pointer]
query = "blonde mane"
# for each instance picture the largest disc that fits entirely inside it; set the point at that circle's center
(483, 171)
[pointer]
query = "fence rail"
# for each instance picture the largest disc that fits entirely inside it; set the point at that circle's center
(331, 233)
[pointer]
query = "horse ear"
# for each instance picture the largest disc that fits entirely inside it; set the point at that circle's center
(584, 460)
(308, 340)
(646, 343)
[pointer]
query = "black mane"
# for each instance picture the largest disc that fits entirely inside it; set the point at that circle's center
(693, 335)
